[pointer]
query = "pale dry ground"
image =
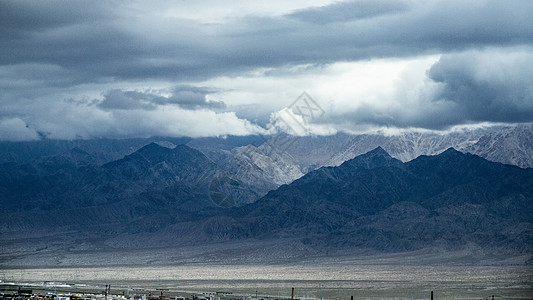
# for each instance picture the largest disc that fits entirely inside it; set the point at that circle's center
(377, 277)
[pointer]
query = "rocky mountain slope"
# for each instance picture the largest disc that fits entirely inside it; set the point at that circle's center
(161, 197)
(153, 182)
(297, 155)
(511, 146)
(265, 163)
(375, 201)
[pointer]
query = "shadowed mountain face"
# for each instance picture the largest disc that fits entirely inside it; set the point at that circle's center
(260, 165)
(375, 201)
(158, 197)
(154, 182)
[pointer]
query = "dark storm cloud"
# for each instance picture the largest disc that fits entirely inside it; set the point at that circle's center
(31, 31)
(491, 86)
(186, 97)
(24, 16)
(494, 85)
(97, 41)
(126, 100)
(350, 11)
(191, 97)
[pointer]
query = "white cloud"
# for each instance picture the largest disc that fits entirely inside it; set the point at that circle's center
(70, 121)
(15, 129)
(434, 92)
(339, 88)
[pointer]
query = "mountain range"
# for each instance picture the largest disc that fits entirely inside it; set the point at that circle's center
(375, 201)
(164, 195)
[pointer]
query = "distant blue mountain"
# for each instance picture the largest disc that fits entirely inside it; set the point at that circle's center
(62, 192)
(375, 201)
(177, 197)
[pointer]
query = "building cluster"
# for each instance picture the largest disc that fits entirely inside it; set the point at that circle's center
(16, 292)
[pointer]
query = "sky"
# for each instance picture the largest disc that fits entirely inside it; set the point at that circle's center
(121, 69)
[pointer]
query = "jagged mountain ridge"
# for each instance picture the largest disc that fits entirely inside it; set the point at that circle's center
(248, 172)
(101, 150)
(170, 183)
(301, 154)
(511, 145)
(267, 163)
(374, 201)
(378, 202)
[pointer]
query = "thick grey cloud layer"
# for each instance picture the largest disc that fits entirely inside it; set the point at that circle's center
(96, 51)
(96, 41)
(191, 97)
(187, 97)
(350, 11)
(493, 85)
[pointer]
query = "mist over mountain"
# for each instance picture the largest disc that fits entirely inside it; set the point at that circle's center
(510, 145)
(283, 158)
